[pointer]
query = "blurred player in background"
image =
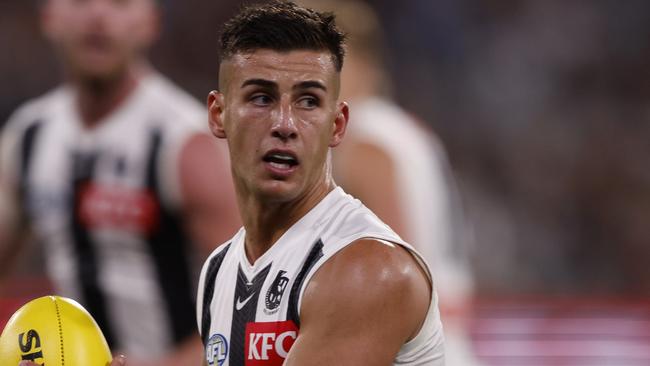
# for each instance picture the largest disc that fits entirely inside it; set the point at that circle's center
(398, 168)
(114, 174)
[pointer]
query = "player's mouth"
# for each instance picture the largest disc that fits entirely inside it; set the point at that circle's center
(281, 163)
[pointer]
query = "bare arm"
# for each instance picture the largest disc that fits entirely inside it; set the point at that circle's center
(210, 207)
(361, 307)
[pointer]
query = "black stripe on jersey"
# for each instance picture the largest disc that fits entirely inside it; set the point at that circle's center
(169, 245)
(87, 262)
(26, 154)
(208, 293)
(314, 255)
(244, 310)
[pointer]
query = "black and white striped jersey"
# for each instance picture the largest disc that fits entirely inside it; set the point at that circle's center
(104, 201)
(250, 314)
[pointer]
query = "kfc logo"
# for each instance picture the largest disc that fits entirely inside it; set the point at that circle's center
(113, 207)
(267, 344)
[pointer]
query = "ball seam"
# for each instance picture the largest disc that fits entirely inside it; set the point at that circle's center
(58, 318)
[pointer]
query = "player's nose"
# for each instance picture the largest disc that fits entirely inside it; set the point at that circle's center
(284, 125)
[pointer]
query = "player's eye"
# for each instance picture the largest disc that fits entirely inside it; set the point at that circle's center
(308, 102)
(261, 100)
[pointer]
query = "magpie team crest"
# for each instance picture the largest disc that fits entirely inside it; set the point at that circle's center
(275, 292)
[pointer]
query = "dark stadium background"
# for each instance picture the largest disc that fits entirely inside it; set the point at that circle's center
(544, 107)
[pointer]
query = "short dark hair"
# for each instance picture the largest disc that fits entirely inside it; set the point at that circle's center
(282, 26)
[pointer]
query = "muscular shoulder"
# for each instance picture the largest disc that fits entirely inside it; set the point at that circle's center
(368, 281)
(361, 307)
(387, 264)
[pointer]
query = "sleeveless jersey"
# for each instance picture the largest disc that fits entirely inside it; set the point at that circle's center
(103, 202)
(250, 314)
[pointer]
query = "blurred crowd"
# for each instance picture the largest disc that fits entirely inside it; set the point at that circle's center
(543, 107)
(549, 128)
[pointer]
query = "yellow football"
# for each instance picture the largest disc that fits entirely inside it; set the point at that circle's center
(53, 331)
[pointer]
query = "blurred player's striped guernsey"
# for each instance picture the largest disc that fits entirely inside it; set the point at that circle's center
(103, 202)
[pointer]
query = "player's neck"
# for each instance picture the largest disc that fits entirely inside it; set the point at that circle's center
(265, 222)
(99, 97)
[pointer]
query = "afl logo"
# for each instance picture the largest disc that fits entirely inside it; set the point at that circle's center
(216, 351)
(275, 292)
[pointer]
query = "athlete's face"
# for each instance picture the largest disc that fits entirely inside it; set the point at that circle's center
(280, 113)
(100, 38)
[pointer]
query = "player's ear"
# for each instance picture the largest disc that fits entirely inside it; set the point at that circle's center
(215, 114)
(340, 124)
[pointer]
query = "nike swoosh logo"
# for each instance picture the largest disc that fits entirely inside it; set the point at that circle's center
(240, 304)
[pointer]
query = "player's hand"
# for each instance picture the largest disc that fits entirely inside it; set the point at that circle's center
(117, 361)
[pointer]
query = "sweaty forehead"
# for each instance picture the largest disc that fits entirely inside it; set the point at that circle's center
(278, 66)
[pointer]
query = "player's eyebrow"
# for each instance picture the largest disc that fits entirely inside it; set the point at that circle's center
(310, 84)
(260, 82)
